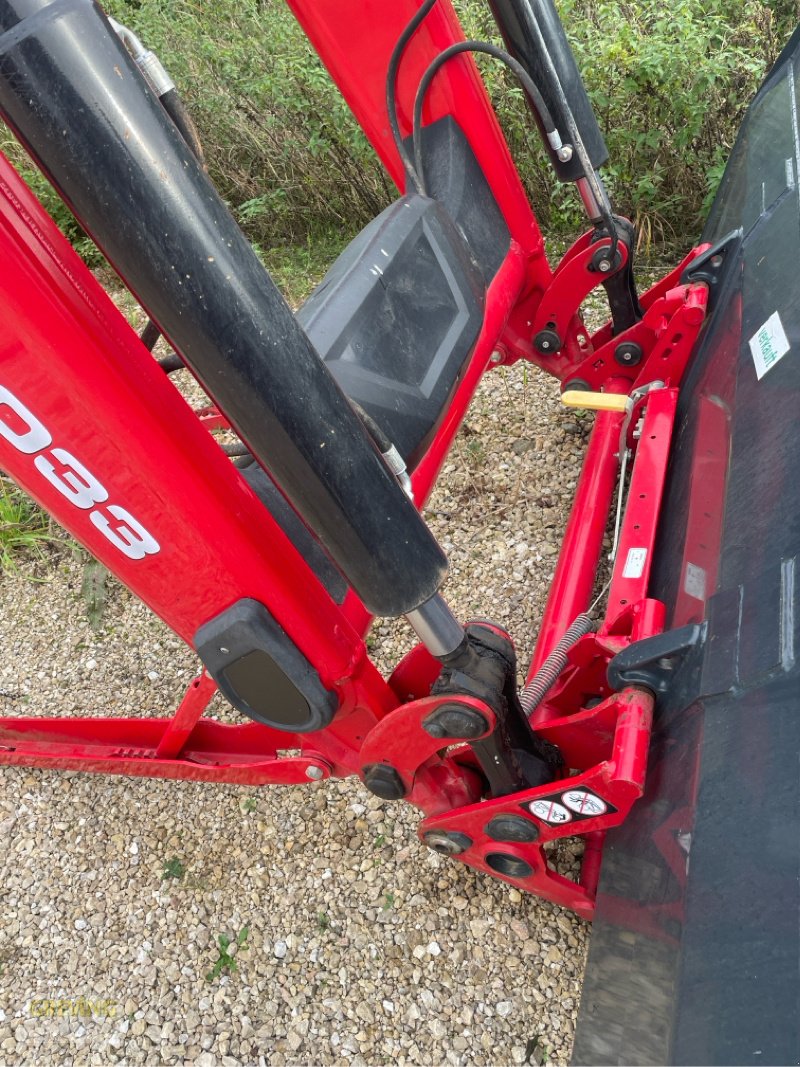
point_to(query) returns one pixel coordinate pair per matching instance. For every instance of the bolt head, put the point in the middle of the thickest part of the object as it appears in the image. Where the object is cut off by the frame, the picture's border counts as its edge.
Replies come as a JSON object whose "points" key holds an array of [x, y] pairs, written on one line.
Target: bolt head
{"points": [[628, 353], [315, 773], [496, 356], [565, 153], [383, 781], [547, 340], [447, 842], [455, 721], [604, 266]]}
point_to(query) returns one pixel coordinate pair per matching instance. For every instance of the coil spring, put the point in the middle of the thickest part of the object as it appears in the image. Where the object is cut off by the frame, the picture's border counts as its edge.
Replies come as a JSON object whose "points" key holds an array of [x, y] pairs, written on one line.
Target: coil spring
{"points": [[547, 675]]}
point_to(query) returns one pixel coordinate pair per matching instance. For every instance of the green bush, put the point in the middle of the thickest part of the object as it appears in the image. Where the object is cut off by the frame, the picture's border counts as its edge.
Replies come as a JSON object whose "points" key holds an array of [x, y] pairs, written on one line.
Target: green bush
{"points": [[669, 82], [282, 146]]}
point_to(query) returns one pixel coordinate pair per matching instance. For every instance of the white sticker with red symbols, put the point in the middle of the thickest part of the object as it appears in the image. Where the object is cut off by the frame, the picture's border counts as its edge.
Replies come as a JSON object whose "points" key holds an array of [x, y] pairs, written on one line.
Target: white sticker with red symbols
{"points": [[550, 811], [572, 804], [584, 803]]}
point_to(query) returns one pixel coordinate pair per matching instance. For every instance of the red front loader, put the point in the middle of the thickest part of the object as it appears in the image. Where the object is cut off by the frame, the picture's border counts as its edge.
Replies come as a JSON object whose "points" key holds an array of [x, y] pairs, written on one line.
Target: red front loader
{"points": [[273, 567]]}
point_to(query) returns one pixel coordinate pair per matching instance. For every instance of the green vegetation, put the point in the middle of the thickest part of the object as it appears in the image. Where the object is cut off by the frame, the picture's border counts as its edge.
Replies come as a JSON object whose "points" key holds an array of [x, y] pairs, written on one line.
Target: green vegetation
{"points": [[173, 868], [93, 592], [24, 528], [670, 85], [225, 958]]}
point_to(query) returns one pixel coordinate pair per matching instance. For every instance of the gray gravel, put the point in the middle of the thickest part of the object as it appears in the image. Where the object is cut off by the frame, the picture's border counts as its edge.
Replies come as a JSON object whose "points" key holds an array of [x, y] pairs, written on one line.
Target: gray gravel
{"points": [[361, 947]]}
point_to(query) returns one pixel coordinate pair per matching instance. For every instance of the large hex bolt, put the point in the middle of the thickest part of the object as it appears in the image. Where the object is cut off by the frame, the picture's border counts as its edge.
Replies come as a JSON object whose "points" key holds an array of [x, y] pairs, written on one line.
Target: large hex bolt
{"points": [[547, 342], [628, 353], [512, 828], [601, 261], [384, 781], [456, 721], [447, 842]]}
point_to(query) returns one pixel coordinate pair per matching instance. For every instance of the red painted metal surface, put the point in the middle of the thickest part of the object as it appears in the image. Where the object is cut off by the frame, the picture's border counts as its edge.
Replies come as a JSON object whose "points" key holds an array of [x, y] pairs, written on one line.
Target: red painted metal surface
{"points": [[355, 38], [190, 711], [667, 334], [501, 297], [573, 581], [70, 357], [217, 752], [100, 412], [610, 787]]}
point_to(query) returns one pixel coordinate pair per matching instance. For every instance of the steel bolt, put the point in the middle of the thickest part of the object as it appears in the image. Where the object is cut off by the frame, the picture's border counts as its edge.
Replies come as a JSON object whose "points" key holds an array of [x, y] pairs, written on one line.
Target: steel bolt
{"points": [[455, 721], [383, 781], [628, 353], [604, 266], [496, 356], [314, 773], [565, 153], [447, 843]]}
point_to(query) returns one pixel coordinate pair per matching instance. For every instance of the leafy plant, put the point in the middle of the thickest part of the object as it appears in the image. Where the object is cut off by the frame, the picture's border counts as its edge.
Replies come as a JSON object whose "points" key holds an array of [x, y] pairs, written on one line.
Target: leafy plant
{"points": [[173, 868], [669, 85], [93, 591], [24, 527], [225, 960]]}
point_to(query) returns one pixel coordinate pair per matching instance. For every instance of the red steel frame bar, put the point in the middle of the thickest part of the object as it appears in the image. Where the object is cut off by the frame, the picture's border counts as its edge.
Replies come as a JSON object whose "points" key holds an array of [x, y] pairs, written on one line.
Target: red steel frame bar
{"points": [[573, 581]]}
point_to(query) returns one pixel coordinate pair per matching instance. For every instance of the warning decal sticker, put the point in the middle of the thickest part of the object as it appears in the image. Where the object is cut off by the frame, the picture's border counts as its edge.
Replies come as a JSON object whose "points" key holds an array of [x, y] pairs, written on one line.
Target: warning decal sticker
{"points": [[571, 805], [550, 811], [768, 345], [584, 803], [634, 563]]}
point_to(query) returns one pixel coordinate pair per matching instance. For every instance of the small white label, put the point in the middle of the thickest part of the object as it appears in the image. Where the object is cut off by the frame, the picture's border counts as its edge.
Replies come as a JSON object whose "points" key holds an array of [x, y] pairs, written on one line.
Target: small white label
{"points": [[584, 803], [634, 563], [694, 583], [768, 345], [550, 811]]}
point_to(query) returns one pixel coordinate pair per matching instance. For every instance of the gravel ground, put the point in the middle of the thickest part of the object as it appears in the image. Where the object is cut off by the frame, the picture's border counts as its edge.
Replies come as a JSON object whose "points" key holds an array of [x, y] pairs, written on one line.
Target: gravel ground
{"points": [[359, 946]]}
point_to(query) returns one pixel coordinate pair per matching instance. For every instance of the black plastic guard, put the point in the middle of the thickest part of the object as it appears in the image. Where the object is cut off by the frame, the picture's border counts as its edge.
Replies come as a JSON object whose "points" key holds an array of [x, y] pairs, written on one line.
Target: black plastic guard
{"points": [[695, 953], [398, 314], [396, 319], [260, 670]]}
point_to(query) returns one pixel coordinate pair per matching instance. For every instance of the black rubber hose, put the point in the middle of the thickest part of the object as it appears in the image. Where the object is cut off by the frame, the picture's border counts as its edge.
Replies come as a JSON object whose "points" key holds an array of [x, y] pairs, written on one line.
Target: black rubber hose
{"points": [[178, 112], [374, 430], [457, 49], [391, 90], [169, 364], [149, 335]]}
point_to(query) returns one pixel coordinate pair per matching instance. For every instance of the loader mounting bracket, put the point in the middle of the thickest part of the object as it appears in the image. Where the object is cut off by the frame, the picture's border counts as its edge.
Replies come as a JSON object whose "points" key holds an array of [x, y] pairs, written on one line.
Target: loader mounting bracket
{"points": [[654, 662]]}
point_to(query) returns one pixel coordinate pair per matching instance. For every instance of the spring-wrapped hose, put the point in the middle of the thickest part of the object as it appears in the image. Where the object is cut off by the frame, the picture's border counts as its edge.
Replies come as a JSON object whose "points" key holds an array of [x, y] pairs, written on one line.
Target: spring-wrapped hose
{"points": [[538, 687]]}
